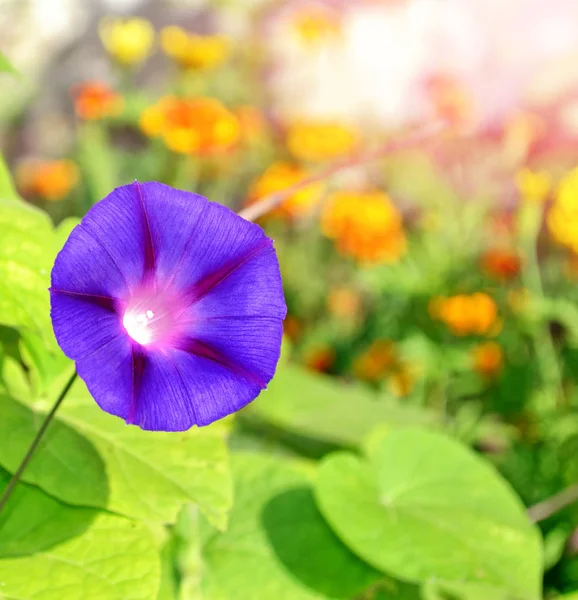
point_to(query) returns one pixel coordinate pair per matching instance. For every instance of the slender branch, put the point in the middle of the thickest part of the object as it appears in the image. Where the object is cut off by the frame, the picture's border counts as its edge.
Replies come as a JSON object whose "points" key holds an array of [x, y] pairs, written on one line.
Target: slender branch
{"points": [[35, 442], [544, 510], [417, 135]]}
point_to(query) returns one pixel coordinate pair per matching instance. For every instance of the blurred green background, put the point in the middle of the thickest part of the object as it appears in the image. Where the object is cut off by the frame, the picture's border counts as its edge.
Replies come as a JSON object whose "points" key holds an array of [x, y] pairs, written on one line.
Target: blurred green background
{"points": [[420, 437]]}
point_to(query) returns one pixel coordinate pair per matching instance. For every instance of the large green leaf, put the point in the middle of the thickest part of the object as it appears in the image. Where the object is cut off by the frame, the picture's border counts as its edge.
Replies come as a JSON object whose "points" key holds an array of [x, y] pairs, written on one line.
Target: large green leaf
{"points": [[27, 252], [91, 458], [426, 507], [65, 465], [277, 544], [114, 559], [32, 521], [317, 406]]}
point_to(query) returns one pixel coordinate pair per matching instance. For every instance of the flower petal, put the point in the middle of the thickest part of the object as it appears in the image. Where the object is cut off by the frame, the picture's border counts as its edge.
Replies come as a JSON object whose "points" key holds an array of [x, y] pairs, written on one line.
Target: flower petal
{"points": [[108, 374], [85, 267], [194, 238], [248, 345], [83, 324], [254, 288], [119, 224], [180, 390]]}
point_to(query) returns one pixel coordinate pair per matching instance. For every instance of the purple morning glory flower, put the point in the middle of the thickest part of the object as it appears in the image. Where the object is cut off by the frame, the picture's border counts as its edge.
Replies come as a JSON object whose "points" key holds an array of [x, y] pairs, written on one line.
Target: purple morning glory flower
{"points": [[171, 306]]}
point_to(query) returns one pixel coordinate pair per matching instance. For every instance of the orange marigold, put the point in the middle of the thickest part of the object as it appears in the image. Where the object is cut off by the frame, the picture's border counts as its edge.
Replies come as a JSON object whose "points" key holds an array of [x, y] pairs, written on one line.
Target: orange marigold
{"points": [[316, 142], [344, 302], [488, 359], [193, 51], [191, 125], [280, 176], [95, 100], [376, 362], [364, 225], [466, 314], [501, 264], [320, 358], [47, 179]]}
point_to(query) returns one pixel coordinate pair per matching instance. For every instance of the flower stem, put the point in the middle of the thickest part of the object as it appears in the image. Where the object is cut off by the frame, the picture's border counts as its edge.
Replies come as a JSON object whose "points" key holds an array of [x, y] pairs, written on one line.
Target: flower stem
{"points": [[547, 508], [530, 222], [409, 139], [35, 442]]}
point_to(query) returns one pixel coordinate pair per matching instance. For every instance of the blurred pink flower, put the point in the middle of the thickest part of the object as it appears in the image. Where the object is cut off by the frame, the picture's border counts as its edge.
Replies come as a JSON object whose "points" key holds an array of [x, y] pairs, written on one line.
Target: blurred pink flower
{"points": [[504, 54]]}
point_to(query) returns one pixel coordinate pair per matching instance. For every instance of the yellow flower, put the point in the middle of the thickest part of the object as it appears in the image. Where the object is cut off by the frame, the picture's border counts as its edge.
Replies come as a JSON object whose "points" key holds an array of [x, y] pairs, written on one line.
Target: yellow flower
{"points": [[47, 179], [466, 314], [280, 176], [401, 381], [128, 41], [533, 186], [316, 24], [563, 216], [192, 51], [364, 225], [317, 142], [488, 359], [191, 125]]}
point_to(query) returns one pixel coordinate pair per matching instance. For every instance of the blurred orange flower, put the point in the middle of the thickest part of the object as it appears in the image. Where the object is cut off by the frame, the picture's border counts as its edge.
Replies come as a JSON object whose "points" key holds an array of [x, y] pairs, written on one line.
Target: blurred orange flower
{"points": [[128, 41], [364, 225], [563, 216], [376, 362], [319, 358], [280, 176], [191, 125], [316, 142], [344, 302], [47, 179], [488, 359], [466, 314], [193, 51], [533, 186], [450, 99], [292, 327], [501, 264], [95, 100]]}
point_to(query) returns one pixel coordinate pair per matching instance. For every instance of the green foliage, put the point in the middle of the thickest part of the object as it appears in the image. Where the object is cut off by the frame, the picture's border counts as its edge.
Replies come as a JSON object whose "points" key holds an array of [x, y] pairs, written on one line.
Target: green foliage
{"points": [[33, 521], [318, 407], [425, 507], [5, 64], [90, 458], [277, 544], [114, 559], [27, 252]]}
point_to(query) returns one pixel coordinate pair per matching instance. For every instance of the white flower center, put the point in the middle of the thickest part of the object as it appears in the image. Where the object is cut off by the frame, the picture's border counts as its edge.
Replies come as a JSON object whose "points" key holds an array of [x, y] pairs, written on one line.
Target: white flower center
{"points": [[138, 325]]}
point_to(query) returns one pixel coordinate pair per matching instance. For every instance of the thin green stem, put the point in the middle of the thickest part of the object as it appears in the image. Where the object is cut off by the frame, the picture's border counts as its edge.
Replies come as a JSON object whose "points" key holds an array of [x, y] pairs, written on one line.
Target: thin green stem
{"points": [[545, 349], [34, 445]]}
